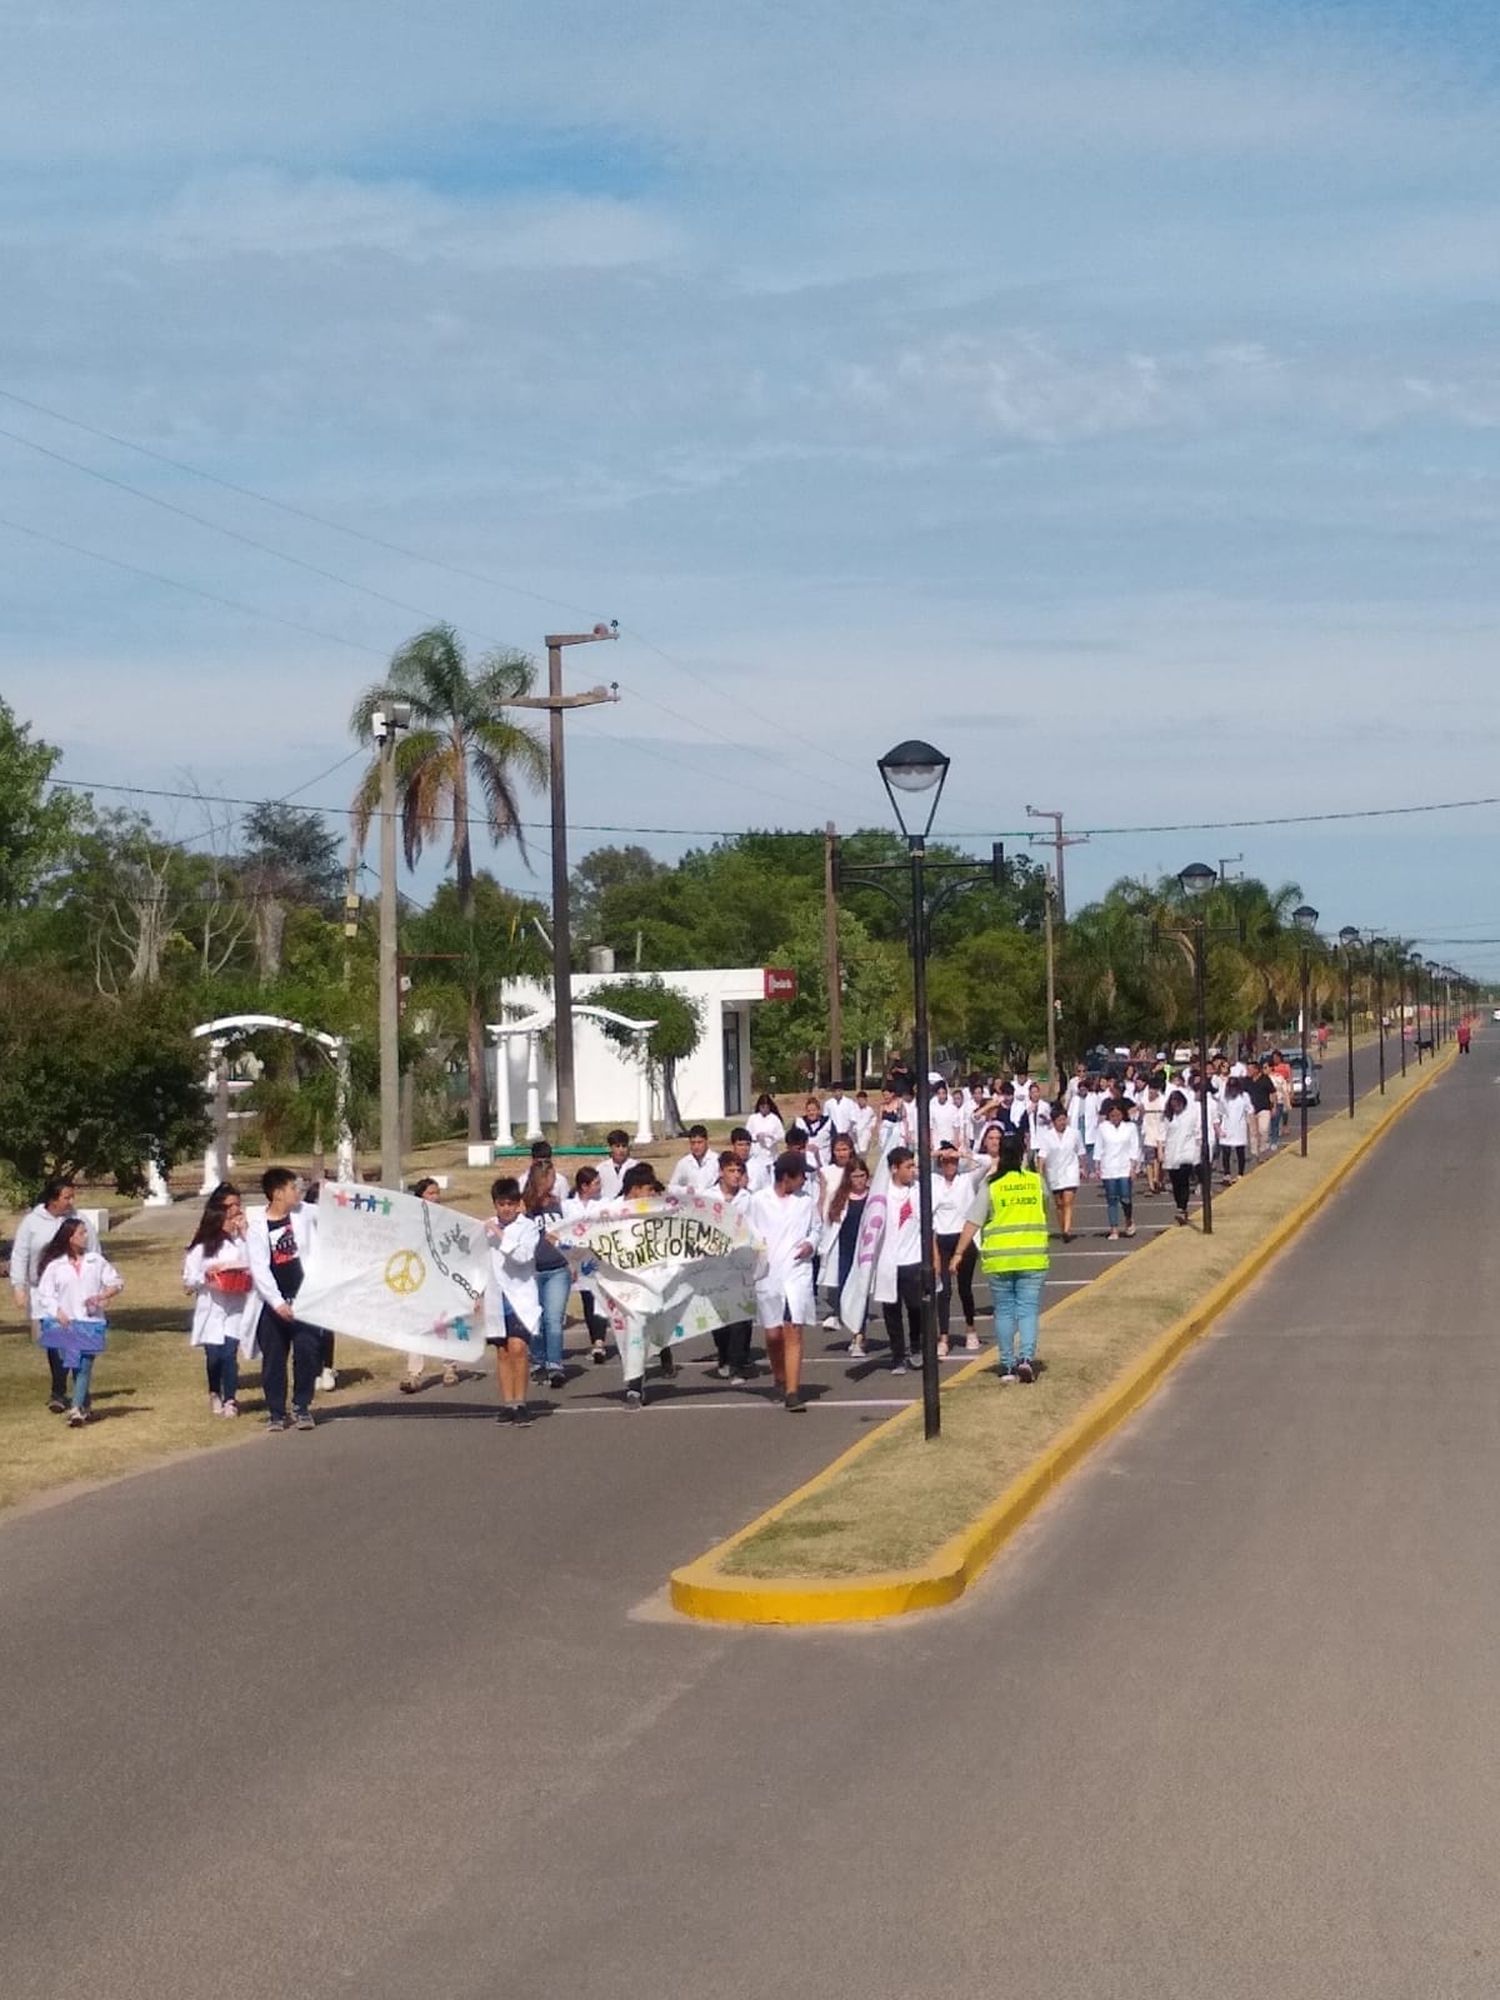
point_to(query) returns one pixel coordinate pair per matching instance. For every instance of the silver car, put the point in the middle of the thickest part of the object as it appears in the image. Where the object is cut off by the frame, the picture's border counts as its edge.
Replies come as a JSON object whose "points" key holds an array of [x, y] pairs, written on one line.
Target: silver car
{"points": [[1308, 1085]]}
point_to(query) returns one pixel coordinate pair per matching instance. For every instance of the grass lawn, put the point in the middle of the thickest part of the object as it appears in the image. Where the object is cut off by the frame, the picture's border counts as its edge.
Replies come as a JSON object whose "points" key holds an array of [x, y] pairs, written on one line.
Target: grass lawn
{"points": [[895, 1502]]}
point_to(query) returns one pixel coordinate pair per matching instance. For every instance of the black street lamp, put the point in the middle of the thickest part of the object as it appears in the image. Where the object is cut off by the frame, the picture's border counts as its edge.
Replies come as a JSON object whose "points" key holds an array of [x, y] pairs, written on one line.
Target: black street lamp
{"points": [[1348, 940], [1196, 880], [1432, 1005], [913, 775], [1401, 1004], [1306, 920], [1378, 950]]}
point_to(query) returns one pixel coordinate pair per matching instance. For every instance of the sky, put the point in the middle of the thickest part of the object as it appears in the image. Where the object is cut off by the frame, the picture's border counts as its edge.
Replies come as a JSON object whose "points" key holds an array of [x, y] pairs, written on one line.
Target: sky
{"points": [[1106, 392]]}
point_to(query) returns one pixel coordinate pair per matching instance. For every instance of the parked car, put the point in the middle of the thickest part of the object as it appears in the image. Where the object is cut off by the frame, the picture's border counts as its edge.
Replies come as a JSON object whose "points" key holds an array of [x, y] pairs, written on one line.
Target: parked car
{"points": [[1309, 1085]]}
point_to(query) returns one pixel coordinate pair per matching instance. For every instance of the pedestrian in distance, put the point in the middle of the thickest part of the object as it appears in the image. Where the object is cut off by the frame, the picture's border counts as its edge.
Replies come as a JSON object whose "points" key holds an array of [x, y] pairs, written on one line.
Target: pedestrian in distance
{"points": [[427, 1189], [280, 1238], [554, 1280], [1182, 1149], [578, 1207], [74, 1285], [732, 1342], [54, 1206], [1465, 1036], [952, 1194], [697, 1172], [1118, 1152], [1061, 1162], [842, 1224], [1009, 1221], [512, 1309], [1151, 1104], [216, 1274], [766, 1127], [1233, 1126], [784, 1221], [614, 1168]]}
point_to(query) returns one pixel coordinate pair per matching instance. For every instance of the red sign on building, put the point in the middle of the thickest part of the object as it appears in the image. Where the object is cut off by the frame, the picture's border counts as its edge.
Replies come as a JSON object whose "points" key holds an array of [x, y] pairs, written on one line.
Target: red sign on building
{"points": [[780, 982]]}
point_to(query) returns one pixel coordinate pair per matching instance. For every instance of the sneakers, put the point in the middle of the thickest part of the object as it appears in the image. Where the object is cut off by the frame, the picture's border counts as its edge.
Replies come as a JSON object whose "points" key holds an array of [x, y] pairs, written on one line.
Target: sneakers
{"points": [[520, 1413], [597, 1354], [942, 1347], [328, 1381], [831, 1322], [898, 1367], [857, 1348], [57, 1405], [1114, 1236], [410, 1384], [1008, 1372], [722, 1372], [668, 1362], [450, 1377], [76, 1420], [556, 1378], [1025, 1370], [971, 1342], [303, 1420], [794, 1402], [216, 1406], [231, 1408], [634, 1399], [277, 1424], [1130, 1229]]}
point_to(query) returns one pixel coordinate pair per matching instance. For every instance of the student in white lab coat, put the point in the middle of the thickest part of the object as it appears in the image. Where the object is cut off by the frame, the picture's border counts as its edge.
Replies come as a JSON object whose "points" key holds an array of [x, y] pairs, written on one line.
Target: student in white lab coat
{"points": [[34, 1232], [757, 1166], [1060, 1158], [1118, 1154], [766, 1127], [577, 1208], [732, 1342], [952, 1198], [784, 1219], [425, 1189], [612, 1171], [898, 1262], [697, 1172], [216, 1272], [74, 1284], [512, 1303], [866, 1117]]}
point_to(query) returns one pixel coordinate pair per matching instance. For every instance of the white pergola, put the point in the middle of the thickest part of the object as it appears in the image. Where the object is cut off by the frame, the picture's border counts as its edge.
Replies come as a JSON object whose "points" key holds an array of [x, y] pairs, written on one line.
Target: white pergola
{"points": [[533, 1027], [230, 1027]]}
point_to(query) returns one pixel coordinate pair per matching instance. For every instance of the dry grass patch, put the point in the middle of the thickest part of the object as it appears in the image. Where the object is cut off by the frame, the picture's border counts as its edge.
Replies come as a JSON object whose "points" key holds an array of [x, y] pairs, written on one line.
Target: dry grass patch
{"points": [[899, 1499]]}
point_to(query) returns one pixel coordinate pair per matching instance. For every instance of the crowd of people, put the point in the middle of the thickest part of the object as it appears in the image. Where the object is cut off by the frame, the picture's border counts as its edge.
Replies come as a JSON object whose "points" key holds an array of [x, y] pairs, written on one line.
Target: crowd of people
{"points": [[1003, 1152]]}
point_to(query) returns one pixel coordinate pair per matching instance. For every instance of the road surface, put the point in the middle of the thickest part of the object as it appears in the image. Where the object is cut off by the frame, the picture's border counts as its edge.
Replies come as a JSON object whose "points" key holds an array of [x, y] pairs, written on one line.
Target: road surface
{"points": [[393, 1709]]}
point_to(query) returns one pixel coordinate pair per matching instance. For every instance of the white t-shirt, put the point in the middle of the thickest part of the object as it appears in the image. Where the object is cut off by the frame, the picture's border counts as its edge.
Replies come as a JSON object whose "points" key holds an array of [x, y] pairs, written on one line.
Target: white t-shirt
{"points": [[696, 1176]]}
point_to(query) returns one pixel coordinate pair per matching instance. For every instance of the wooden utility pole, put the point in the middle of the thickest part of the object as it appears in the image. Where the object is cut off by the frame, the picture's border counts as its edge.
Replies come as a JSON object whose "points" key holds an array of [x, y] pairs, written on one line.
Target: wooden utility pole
{"points": [[388, 723], [556, 702], [1058, 841], [1054, 1079], [832, 972]]}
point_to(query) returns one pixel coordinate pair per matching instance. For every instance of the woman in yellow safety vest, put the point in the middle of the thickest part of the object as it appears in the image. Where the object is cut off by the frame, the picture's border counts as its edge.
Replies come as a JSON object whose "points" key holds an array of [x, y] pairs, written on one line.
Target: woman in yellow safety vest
{"points": [[1009, 1217]]}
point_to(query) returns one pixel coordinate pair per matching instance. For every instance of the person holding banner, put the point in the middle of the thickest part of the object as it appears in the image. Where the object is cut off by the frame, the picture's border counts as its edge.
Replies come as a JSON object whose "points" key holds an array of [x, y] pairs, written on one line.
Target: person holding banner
{"points": [[554, 1281], [697, 1172], [784, 1218], [575, 1208], [613, 1170], [732, 1342], [280, 1237], [757, 1166], [512, 1308], [426, 1189]]}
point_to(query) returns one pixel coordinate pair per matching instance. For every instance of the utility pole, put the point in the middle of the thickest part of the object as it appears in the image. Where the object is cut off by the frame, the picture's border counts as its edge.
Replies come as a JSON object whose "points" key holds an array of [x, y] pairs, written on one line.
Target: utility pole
{"points": [[1058, 841], [351, 904], [388, 723], [1048, 894], [831, 970], [1226, 862], [556, 702]]}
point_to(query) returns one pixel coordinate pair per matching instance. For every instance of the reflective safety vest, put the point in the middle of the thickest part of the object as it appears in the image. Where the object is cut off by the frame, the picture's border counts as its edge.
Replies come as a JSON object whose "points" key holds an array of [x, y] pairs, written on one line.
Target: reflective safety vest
{"points": [[1015, 1236]]}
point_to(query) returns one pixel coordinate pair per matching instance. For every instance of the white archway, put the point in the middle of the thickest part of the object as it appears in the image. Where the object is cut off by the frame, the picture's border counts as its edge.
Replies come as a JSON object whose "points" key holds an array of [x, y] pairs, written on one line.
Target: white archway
{"points": [[533, 1027], [229, 1027]]}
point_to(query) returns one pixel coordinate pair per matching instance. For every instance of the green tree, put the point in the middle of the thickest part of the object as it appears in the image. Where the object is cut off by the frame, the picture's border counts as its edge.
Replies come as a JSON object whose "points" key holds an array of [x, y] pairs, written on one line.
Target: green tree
{"points": [[462, 748], [95, 1087], [35, 825], [290, 857], [678, 1030]]}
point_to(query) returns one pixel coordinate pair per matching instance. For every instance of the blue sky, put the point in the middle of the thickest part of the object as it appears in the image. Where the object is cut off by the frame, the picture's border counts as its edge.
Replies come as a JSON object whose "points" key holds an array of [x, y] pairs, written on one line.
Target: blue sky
{"points": [[1110, 392]]}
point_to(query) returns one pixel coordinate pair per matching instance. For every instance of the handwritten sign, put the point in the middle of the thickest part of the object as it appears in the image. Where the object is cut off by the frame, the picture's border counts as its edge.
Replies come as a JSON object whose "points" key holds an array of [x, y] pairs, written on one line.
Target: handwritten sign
{"points": [[401, 1272]]}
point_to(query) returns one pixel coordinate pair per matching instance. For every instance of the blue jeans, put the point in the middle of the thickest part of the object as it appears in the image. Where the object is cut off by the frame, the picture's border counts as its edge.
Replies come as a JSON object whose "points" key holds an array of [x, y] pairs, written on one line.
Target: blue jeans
{"points": [[222, 1361], [1016, 1300], [1117, 1196], [552, 1288], [81, 1376]]}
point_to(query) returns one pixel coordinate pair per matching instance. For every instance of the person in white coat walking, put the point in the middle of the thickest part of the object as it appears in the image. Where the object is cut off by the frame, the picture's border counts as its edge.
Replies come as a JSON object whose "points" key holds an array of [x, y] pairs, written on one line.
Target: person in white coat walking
{"points": [[1117, 1152], [1060, 1159], [216, 1272], [37, 1229], [74, 1284], [784, 1221]]}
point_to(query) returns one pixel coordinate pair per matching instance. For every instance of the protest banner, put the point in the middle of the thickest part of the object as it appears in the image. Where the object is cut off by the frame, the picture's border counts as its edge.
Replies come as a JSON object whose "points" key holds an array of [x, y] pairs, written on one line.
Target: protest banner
{"points": [[391, 1268], [667, 1267]]}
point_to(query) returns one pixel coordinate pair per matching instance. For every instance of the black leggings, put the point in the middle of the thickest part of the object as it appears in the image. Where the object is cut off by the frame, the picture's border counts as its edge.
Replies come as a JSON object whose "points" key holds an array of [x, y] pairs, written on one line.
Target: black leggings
{"points": [[947, 1274], [733, 1343], [1182, 1185], [909, 1299], [1224, 1153]]}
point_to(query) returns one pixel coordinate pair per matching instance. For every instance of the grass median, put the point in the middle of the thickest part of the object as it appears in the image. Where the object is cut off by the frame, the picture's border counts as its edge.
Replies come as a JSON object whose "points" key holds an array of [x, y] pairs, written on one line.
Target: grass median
{"points": [[892, 1503]]}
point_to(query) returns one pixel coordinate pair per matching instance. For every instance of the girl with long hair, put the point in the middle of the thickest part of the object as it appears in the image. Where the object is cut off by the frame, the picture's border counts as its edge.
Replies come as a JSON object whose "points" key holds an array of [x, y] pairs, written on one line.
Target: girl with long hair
{"points": [[425, 1189], [74, 1284], [845, 1218], [554, 1281], [216, 1274]]}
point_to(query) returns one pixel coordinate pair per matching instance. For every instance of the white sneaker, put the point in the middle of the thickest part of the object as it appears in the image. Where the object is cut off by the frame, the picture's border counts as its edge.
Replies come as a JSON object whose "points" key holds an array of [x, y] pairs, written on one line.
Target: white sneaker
{"points": [[831, 1321], [328, 1380], [216, 1406], [857, 1348]]}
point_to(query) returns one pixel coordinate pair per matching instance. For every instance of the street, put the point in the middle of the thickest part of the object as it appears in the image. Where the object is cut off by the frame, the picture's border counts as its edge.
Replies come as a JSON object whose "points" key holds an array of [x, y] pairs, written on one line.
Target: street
{"points": [[395, 1708]]}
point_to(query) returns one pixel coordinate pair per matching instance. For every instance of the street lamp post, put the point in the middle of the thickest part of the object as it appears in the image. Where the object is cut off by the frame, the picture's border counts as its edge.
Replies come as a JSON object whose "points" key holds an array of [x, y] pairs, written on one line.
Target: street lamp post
{"points": [[1196, 880], [1306, 920], [1432, 1007], [1348, 939], [387, 724], [1401, 1004], [915, 772], [1378, 949]]}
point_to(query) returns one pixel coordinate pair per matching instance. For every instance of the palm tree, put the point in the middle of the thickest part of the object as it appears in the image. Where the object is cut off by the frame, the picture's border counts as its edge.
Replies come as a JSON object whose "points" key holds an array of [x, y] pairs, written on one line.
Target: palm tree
{"points": [[460, 741]]}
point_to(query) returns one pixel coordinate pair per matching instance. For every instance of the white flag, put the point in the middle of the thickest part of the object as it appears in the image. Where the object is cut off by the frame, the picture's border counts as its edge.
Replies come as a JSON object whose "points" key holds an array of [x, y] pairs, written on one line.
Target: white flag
{"points": [[399, 1271]]}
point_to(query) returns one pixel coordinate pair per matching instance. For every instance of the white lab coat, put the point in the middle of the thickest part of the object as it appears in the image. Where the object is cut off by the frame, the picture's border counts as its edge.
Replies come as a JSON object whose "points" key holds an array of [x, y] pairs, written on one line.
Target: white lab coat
{"points": [[513, 1277], [696, 1176], [219, 1315], [304, 1221], [64, 1289], [35, 1231], [1061, 1157], [782, 1224]]}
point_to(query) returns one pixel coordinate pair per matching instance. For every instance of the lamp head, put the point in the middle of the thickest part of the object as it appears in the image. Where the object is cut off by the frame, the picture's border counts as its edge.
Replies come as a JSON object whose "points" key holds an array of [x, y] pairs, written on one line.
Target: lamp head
{"points": [[913, 770], [1349, 937], [1198, 878], [1305, 917]]}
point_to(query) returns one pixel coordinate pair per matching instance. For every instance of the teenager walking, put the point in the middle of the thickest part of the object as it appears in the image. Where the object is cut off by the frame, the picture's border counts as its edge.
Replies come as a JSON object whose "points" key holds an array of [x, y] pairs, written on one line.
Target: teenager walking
{"points": [[1118, 1153], [512, 1309], [952, 1196], [425, 1189], [74, 1284], [898, 1263], [280, 1238], [732, 1342], [216, 1271], [784, 1220], [1061, 1163], [1182, 1149], [54, 1206]]}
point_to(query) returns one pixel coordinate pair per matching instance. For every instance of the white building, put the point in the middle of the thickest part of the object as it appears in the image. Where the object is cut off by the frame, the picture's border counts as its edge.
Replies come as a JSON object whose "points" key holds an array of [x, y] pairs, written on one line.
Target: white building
{"points": [[713, 1082]]}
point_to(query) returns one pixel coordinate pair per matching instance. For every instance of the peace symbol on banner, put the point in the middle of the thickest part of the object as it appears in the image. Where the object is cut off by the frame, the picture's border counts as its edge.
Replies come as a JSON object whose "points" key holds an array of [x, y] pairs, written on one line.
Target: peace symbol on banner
{"points": [[405, 1272]]}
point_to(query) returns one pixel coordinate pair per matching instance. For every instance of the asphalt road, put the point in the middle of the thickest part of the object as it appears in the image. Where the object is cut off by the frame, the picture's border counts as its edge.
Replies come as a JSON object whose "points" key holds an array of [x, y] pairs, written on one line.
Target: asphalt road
{"points": [[391, 1710]]}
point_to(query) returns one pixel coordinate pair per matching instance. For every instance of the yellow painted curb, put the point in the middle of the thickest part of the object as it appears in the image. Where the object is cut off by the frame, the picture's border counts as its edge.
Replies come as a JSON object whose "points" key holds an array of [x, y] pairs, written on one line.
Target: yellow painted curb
{"points": [[702, 1590]]}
